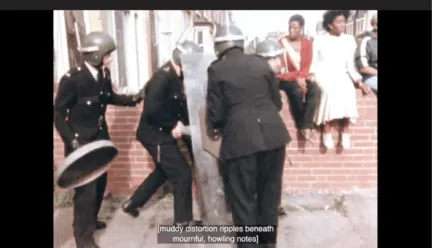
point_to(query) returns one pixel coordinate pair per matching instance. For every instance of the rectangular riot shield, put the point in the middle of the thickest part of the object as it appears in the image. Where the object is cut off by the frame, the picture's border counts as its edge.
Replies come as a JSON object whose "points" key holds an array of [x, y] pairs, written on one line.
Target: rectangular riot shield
{"points": [[210, 187]]}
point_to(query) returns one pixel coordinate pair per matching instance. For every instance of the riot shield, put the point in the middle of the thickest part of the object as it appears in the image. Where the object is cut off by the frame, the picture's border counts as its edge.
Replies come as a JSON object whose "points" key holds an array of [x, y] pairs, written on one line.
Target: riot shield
{"points": [[210, 187]]}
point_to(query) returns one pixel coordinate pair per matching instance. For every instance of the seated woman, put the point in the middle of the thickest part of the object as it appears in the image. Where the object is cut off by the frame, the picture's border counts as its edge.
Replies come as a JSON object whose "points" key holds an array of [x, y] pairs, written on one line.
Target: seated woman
{"points": [[334, 70], [303, 94]]}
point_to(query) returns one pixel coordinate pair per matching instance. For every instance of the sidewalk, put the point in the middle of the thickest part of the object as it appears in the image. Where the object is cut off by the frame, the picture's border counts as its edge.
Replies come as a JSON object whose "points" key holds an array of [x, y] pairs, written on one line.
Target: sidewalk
{"points": [[318, 221]]}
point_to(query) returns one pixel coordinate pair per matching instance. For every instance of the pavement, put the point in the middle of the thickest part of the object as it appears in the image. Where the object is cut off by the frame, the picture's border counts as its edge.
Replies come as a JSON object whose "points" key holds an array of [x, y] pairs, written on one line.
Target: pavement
{"points": [[313, 221]]}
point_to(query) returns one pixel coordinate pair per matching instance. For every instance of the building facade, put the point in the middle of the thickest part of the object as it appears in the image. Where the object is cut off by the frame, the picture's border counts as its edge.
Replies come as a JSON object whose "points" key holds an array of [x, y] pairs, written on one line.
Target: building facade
{"points": [[362, 22], [144, 38]]}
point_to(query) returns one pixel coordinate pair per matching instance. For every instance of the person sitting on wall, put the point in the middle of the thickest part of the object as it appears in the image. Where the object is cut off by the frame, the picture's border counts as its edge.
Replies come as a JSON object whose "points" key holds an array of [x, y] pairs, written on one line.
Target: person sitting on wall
{"points": [[367, 57], [302, 93], [334, 69]]}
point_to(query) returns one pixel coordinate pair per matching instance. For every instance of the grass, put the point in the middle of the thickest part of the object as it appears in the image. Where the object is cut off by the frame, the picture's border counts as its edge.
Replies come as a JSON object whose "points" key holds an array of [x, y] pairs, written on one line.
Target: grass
{"points": [[339, 206], [63, 199]]}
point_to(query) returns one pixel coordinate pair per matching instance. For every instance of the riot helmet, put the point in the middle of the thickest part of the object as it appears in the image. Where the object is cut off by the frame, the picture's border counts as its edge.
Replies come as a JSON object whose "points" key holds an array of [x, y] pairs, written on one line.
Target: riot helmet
{"points": [[227, 37], [269, 49], [95, 45], [184, 47]]}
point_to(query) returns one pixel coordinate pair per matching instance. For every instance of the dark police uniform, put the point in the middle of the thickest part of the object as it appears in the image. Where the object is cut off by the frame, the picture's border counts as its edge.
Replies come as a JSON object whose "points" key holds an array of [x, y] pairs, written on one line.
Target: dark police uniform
{"points": [[164, 106], [243, 101], [270, 49], [80, 108]]}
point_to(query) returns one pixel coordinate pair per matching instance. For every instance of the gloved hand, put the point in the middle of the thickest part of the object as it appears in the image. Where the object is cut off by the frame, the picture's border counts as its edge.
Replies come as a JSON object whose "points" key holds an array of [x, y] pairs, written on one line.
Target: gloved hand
{"points": [[185, 130], [75, 144], [138, 97]]}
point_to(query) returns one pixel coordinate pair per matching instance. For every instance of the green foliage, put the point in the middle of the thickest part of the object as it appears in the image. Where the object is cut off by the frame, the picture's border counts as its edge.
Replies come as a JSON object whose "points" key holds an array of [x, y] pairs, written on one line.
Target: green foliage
{"points": [[63, 199]]}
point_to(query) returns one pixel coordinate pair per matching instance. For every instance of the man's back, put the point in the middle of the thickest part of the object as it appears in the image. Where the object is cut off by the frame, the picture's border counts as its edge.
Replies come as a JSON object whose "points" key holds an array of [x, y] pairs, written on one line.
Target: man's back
{"points": [[244, 101]]}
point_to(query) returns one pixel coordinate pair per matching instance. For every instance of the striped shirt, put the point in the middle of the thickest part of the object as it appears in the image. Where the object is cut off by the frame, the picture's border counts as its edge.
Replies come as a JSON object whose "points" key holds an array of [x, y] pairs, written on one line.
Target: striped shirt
{"points": [[367, 54]]}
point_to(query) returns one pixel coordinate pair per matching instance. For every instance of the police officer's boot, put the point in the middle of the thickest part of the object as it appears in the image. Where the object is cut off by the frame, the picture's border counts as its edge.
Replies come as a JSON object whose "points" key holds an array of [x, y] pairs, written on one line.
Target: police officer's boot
{"points": [[129, 209]]}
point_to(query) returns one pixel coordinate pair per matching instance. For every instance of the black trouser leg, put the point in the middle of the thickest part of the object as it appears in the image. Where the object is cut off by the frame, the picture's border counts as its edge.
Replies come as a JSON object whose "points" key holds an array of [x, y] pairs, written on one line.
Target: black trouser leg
{"points": [[224, 172], [148, 187], [84, 221], [179, 174], [295, 97], [101, 183], [188, 142], [242, 176], [84, 208], [312, 100], [269, 185]]}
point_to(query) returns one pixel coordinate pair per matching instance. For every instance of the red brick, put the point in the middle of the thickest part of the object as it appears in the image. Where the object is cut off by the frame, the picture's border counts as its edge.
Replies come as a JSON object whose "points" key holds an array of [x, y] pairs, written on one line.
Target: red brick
{"points": [[312, 169]]}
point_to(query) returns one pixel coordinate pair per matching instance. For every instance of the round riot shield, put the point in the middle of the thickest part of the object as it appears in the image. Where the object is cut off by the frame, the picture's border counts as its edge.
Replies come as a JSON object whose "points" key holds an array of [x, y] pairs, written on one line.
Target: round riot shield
{"points": [[85, 164]]}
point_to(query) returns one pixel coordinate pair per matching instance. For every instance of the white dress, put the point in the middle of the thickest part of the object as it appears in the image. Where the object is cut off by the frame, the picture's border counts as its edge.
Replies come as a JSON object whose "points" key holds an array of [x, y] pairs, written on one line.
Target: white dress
{"points": [[335, 71]]}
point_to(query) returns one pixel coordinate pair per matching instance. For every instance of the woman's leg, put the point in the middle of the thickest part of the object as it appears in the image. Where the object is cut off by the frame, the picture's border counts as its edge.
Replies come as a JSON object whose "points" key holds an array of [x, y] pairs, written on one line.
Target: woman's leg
{"points": [[346, 141], [327, 136]]}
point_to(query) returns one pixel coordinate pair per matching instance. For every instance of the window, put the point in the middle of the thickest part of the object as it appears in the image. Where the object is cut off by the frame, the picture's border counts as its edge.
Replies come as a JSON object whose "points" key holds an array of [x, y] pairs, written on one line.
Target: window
{"points": [[164, 38], [200, 38], [61, 56], [187, 18], [129, 69], [66, 39], [74, 19], [348, 28]]}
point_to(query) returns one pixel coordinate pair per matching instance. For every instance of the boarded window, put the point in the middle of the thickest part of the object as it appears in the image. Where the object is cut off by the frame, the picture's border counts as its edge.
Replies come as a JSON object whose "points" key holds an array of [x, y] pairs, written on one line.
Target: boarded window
{"points": [[73, 19], [121, 55]]}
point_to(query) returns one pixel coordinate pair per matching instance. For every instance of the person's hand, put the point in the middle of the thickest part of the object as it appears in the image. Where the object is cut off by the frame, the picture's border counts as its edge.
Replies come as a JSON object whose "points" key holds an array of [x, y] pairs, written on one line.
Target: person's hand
{"points": [[365, 90], [176, 132], [302, 83], [138, 97]]}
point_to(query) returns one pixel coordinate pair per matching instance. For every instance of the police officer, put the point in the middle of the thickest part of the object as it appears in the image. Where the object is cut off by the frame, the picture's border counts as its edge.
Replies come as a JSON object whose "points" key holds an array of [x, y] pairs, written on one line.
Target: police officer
{"points": [[165, 113], [243, 104], [271, 51], [80, 105]]}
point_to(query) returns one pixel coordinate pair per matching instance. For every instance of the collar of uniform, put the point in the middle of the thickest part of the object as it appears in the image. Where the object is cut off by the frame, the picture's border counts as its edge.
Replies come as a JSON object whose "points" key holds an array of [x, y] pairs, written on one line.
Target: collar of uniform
{"points": [[92, 70], [232, 52]]}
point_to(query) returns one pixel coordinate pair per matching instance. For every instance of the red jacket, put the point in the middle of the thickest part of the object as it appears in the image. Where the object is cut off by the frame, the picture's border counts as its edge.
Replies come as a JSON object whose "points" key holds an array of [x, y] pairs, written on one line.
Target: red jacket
{"points": [[305, 63]]}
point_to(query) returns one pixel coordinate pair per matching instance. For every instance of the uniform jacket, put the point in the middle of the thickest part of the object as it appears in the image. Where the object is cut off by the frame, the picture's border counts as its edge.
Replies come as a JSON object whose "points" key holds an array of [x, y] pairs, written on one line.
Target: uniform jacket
{"points": [[164, 106], [243, 101], [81, 103]]}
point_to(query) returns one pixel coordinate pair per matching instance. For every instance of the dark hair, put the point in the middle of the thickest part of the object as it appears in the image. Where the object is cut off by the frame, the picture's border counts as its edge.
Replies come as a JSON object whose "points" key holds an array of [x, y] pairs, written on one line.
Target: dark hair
{"points": [[297, 18], [330, 15]]}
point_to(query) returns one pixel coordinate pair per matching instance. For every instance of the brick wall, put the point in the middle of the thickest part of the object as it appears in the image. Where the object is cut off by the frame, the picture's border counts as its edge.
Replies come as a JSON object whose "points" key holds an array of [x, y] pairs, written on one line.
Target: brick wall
{"points": [[312, 169]]}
